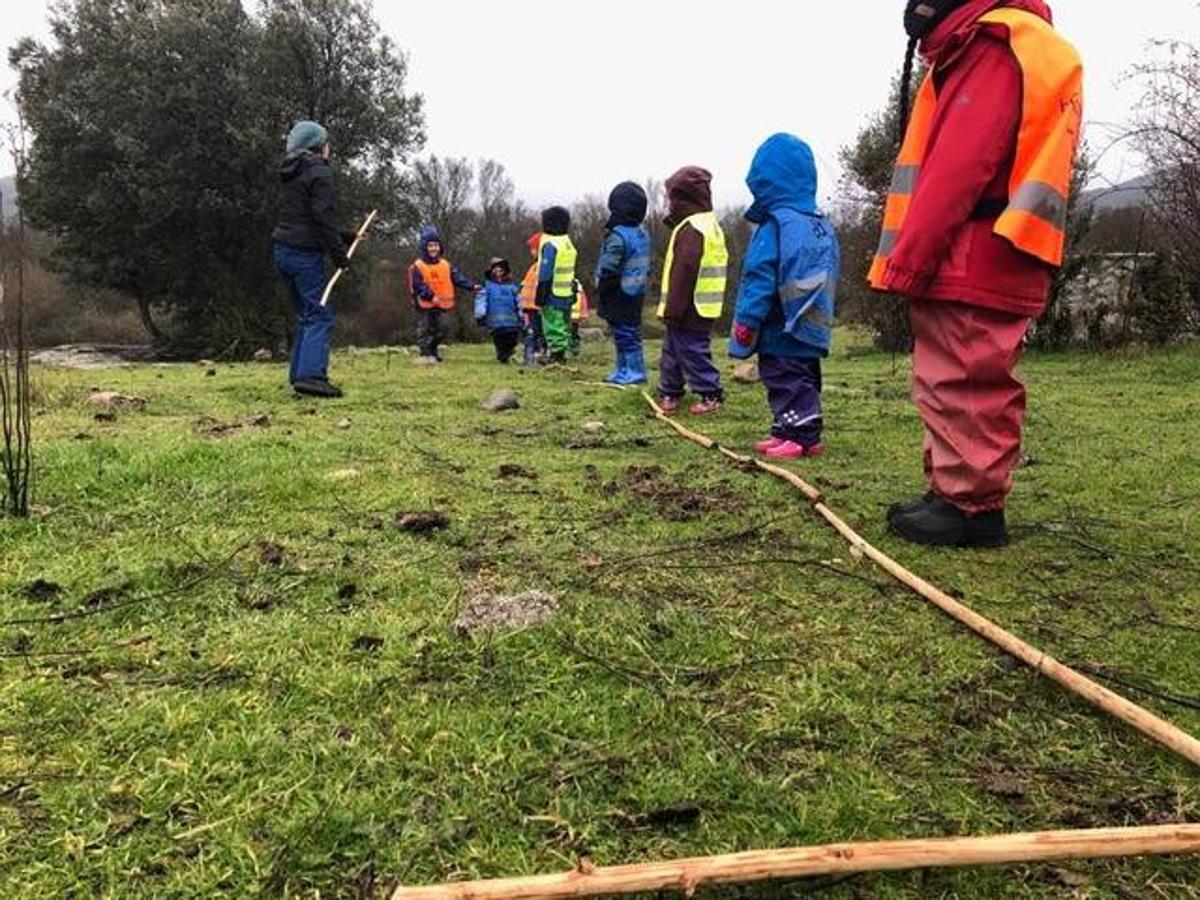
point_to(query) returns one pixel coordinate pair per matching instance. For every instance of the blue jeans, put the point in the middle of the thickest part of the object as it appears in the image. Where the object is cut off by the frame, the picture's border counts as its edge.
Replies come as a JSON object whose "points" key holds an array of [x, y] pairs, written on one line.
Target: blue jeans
{"points": [[306, 275]]}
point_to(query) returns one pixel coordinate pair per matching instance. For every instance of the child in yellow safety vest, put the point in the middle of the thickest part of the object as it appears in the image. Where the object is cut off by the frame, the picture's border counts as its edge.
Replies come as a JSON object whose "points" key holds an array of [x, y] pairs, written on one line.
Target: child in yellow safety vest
{"points": [[432, 283], [556, 281], [693, 294]]}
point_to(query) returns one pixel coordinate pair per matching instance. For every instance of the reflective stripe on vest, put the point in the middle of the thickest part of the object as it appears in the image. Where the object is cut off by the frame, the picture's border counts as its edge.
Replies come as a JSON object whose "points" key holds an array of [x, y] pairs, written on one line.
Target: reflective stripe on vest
{"points": [[710, 282], [563, 286], [440, 281], [1035, 218]]}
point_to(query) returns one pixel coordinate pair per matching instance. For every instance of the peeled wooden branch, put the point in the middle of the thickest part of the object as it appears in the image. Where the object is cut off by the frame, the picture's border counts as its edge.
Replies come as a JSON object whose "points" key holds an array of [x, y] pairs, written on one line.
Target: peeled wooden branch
{"points": [[1099, 696], [686, 875], [362, 233]]}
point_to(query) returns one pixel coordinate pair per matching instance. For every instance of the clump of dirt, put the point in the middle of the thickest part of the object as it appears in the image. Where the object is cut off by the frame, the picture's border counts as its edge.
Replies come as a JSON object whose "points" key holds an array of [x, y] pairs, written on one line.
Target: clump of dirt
{"points": [[214, 429], [504, 612], [674, 501], [41, 591], [425, 522], [512, 470], [369, 643], [270, 554]]}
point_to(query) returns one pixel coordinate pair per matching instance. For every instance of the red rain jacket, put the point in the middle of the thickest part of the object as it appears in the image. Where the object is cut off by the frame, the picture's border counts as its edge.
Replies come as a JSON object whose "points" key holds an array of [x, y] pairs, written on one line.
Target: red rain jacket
{"points": [[947, 250]]}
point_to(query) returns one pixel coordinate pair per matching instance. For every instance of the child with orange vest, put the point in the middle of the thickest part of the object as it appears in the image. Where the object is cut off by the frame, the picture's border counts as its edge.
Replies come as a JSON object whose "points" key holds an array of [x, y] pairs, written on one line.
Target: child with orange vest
{"points": [[432, 282], [973, 232], [535, 339]]}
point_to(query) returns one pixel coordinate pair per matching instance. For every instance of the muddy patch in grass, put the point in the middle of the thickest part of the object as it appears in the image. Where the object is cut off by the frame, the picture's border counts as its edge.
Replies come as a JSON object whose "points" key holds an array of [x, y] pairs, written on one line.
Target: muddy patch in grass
{"points": [[674, 501], [424, 522], [503, 612]]}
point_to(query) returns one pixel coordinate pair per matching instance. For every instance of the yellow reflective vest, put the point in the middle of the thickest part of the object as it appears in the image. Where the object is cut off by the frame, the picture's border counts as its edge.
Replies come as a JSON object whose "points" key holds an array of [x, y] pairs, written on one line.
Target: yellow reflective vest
{"points": [[563, 286], [714, 265]]}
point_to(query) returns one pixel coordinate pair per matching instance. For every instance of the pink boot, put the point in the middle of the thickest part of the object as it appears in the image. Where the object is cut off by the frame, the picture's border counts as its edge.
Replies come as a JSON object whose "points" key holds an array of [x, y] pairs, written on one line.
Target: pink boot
{"points": [[769, 444], [706, 407], [786, 450], [669, 404]]}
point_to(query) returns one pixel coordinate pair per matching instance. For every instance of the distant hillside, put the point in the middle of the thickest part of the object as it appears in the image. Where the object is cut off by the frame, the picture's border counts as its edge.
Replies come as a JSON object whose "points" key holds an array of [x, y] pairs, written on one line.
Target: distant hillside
{"points": [[8, 196], [1130, 194]]}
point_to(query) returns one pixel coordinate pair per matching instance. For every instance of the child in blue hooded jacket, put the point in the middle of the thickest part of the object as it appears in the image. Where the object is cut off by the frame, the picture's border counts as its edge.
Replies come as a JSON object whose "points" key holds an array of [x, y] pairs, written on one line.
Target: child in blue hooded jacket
{"points": [[498, 306], [786, 303], [622, 274]]}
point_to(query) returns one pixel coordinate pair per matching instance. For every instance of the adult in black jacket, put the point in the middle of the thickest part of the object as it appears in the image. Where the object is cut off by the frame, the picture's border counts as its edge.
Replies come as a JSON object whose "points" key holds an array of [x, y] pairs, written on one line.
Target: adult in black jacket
{"points": [[307, 230]]}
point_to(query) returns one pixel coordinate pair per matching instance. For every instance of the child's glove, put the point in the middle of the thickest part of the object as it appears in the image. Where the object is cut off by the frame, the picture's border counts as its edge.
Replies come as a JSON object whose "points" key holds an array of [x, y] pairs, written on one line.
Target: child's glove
{"points": [[742, 341]]}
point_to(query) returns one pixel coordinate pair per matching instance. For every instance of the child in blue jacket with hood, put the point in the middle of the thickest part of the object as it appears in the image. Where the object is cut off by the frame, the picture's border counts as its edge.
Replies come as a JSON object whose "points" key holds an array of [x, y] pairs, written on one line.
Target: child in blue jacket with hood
{"points": [[786, 303], [622, 274], [498, 306]]}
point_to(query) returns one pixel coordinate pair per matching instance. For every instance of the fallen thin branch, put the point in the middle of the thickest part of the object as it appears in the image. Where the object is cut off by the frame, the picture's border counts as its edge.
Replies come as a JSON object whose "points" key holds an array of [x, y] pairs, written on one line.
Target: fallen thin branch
{"points": [[56, 618], [688, 875], [1101, 697]]}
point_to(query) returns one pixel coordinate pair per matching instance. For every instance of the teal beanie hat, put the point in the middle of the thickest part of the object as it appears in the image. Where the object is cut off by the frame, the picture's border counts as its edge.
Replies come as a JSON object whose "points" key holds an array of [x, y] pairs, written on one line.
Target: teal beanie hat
{"points": [[306, 136]]}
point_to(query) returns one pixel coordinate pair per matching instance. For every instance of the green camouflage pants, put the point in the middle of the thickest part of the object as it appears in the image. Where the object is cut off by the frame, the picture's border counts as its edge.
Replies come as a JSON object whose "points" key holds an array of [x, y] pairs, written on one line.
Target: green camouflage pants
{"points": [[557, 325]]}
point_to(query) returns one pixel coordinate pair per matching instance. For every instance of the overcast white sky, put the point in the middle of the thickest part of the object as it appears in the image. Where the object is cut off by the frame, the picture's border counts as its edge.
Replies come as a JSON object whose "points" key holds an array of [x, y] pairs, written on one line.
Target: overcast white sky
{"points": [[640, 87]]}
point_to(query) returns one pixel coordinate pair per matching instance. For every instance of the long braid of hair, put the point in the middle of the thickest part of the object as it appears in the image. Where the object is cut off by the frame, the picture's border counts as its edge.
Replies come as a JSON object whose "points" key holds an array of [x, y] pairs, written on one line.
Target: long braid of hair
{"points": [[910, 58]]}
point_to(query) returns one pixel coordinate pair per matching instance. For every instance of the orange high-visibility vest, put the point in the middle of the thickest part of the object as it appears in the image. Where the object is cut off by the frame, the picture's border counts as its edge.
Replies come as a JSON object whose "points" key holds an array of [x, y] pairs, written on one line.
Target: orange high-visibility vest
{"points": [[529, 286], [1035, 219], [438, 276], [583, 304]]}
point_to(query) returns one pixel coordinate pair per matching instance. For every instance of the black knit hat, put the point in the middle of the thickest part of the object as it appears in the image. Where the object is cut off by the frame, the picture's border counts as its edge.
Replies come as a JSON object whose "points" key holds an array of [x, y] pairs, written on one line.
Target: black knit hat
{"points": [[922, 16], [556, 220]]}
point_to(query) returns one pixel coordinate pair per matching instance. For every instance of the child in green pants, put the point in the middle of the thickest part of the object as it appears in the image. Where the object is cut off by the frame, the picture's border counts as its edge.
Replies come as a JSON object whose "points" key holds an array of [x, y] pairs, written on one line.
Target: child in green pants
{"points": [[556, 280]]}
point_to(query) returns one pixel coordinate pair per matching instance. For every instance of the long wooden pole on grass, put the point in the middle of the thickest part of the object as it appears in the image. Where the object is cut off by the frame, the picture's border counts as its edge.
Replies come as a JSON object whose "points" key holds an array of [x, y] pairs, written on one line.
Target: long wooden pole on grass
{"points": [[687, 875], [336, 277], [1099, 696]]}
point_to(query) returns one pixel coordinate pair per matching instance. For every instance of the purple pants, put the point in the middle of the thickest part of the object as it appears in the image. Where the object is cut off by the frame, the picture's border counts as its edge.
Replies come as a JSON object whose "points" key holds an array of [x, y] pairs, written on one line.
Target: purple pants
{"points": [[794, 392], [687, 362]]}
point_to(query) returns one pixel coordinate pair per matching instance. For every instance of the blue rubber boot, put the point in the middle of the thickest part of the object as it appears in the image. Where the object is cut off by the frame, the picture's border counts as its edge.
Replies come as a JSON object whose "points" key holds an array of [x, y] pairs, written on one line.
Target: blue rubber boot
{"points": [[635, 367], [619, 369]]}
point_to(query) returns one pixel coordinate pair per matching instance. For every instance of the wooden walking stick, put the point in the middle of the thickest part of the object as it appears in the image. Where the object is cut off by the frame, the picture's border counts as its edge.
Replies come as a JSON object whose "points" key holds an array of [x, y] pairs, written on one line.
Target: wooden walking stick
{"points": [[362, 233], [1099, 696], [687, 875]]}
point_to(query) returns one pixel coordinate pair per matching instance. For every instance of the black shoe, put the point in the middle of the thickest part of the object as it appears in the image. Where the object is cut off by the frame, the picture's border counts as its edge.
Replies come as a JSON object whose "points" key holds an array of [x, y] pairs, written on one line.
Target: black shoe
{"points": [[910, 506], [939, 523], [316, 387]]}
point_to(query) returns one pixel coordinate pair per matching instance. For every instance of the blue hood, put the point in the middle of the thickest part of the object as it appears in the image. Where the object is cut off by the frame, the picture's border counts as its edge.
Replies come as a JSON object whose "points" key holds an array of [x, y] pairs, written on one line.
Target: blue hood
{"points": [[429, 233], [782, 176]]}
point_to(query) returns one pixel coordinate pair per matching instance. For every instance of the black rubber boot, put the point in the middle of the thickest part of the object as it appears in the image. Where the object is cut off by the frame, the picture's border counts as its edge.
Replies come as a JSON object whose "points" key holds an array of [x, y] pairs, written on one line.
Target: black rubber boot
{"points": [[910, 506], [316, 387], [939, 523]]}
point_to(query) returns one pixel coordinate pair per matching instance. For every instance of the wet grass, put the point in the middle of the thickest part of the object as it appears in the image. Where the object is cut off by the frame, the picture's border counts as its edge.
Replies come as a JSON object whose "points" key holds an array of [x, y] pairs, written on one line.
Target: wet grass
{"points": [[239, 674]]}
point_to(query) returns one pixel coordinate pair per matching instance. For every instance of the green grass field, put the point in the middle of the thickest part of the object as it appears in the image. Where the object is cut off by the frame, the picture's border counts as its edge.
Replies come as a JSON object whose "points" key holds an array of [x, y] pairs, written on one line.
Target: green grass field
{"points": [[240, 676]]}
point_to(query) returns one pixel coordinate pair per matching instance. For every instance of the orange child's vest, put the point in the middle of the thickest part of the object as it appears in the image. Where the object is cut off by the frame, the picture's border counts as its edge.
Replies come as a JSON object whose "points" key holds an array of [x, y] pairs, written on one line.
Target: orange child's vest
{"points": [[1036, 216], [437, 276], [529, 286]]}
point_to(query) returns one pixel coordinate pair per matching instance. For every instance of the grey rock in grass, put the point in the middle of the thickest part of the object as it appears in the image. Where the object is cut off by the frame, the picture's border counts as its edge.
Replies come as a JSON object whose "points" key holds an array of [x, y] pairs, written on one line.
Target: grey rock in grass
{"points": [[593, 427], [746, 372], [501, 400], [263, 355], [505, 612]]}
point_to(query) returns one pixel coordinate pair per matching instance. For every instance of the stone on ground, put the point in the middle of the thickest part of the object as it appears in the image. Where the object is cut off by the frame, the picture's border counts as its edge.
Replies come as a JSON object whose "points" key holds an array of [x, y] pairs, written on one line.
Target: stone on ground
{"points": [[503, 612], [501, 400]]}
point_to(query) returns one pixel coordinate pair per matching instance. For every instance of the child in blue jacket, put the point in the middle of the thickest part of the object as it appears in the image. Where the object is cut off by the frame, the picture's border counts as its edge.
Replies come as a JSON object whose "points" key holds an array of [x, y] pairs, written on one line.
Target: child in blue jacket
{"points": [[498, 306], [786, 304], [622, 274]]}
